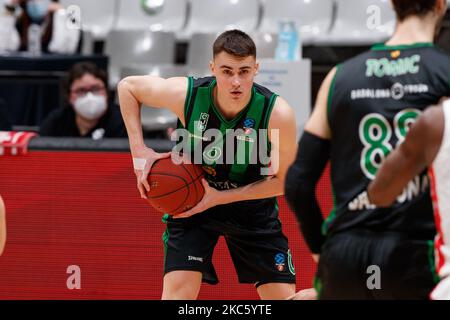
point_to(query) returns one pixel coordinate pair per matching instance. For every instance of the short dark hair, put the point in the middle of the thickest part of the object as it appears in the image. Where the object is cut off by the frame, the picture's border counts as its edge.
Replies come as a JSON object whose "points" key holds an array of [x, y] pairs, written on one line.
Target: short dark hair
{"points": [[79, 69], [236, 43], [406, 8]]}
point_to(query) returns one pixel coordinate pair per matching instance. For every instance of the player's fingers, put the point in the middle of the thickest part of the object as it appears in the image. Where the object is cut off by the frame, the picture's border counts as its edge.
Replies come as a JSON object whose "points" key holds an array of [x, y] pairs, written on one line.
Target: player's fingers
{"points": [[164, 155], [143, 179], [205, 185], [142, 191]]}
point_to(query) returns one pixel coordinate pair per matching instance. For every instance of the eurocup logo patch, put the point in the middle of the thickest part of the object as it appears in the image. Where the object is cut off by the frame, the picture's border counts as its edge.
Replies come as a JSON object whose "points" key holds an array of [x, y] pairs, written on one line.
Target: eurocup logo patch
{"points": [[280, 261], [249, 124], [203, 121]]}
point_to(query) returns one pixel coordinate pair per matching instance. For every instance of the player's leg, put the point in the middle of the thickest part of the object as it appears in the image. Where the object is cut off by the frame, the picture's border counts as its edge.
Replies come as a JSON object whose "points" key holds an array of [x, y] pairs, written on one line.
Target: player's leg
{"points": [[181, 285], [263, 258], [276, 291], [188, 254]]}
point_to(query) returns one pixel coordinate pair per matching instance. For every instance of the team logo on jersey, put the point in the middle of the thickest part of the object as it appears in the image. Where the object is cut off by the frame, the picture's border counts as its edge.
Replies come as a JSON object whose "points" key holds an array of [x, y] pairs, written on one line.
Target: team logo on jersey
{"points": [[384, 67], [280, 261], [395, 54], [212, 154], [209, 170], [397, 91], [249, 123], [202, 123]]}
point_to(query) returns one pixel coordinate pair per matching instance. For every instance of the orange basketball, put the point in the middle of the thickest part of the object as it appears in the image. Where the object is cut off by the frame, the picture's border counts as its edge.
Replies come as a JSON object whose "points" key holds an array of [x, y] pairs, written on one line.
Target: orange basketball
{"points": [[174, 188]]}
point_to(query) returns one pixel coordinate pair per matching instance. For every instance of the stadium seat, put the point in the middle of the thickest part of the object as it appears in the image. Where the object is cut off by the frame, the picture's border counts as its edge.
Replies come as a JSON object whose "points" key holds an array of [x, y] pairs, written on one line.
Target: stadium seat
{"points": [[199, 53], [313, 17], [128, 47], [219, 15], [361, 22], [266, 44], [97, 16], [172, 17]]}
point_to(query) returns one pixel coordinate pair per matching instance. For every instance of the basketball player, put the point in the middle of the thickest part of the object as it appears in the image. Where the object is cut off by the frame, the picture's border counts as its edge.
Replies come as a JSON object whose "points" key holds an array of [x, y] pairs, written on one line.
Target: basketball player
{"points": [[239, 202], [363, 111], [427, 144], [2, 226]]}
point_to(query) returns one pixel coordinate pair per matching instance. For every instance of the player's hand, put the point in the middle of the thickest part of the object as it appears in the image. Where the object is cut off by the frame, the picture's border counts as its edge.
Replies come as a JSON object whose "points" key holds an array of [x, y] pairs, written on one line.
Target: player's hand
{"points": [[210, 199], [316, 257], [306, 294], [143, 160]]}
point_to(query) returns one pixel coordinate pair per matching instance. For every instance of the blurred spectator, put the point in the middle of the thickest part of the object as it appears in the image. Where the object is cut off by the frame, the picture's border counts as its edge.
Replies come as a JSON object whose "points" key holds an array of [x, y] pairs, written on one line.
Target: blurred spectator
{"points": [[4, 122], [87, 112], [58, 34]]}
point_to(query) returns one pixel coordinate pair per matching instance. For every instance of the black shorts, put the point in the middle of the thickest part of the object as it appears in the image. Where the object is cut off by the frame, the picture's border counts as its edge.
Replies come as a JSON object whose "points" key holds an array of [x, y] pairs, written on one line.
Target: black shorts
{"points": [[252, 231], [364, 264]]}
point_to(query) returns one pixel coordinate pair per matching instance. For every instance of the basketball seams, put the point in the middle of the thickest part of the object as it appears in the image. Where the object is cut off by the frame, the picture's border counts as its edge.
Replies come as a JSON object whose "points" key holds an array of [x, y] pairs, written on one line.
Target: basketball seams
{"points": [[169, 175], [185, 184], [186, 175]]}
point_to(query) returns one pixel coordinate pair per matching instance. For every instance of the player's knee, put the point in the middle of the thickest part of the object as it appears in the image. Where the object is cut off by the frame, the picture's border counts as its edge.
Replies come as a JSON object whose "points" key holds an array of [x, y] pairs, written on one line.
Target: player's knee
{"points": [[181, 285]]}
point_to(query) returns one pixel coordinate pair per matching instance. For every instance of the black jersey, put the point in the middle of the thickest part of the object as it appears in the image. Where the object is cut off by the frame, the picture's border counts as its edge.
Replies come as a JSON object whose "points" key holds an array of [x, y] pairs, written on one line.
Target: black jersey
{"points": [[248, 160], [373, 99]]}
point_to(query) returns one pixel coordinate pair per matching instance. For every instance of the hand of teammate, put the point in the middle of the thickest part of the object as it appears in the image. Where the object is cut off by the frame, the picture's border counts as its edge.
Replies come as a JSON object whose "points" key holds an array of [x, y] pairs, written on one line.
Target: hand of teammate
{"points": [[305, 294], [143, 160], [211, 198]]}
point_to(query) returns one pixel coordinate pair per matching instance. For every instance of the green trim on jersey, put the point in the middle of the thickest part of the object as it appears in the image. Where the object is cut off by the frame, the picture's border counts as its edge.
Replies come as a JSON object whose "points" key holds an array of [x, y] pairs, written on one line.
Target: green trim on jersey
{"points": [[229, 123], [331, 216], [431, 260], [269, 111], [266, 121], [382, 46], [317, 285], [187, 101], [330, 94], [165, 236]]}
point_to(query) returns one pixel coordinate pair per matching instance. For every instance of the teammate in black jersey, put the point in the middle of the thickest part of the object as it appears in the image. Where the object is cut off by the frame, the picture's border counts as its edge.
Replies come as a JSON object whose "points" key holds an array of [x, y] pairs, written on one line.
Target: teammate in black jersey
{"points": [[363, 111], [239, 200]]}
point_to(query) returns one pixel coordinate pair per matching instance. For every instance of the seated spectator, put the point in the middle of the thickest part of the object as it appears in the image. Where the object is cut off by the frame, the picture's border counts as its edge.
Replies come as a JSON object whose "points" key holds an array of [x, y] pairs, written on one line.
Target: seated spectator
{"points": [[87, 112], [50, 15], [4, 122]]}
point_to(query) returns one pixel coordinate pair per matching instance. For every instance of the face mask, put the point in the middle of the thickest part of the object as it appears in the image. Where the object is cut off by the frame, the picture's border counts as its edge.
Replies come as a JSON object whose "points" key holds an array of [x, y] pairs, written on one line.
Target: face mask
{"points": [[90, 106], [37, 10]]}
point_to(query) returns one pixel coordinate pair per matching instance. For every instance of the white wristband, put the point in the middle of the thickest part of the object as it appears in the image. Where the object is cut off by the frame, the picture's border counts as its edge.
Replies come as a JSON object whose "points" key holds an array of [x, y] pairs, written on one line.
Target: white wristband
{"points": [[139, 163]]}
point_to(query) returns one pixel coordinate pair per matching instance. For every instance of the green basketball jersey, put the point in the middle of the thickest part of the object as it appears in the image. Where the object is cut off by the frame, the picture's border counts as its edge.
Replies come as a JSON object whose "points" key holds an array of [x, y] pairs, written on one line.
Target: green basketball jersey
{"points": [[373, 100], [232, 152]]}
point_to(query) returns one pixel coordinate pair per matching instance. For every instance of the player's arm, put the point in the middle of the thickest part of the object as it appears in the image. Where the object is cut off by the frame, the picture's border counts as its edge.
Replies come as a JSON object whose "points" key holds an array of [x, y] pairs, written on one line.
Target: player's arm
{"points": [[303, 175], [2, 226], [417, 152], [150, 91], [282, 122]]}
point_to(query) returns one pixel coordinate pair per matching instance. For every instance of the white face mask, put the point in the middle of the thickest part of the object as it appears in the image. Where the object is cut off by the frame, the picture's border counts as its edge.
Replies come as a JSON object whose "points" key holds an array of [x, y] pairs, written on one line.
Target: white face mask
{"points": [[91, 106]]}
